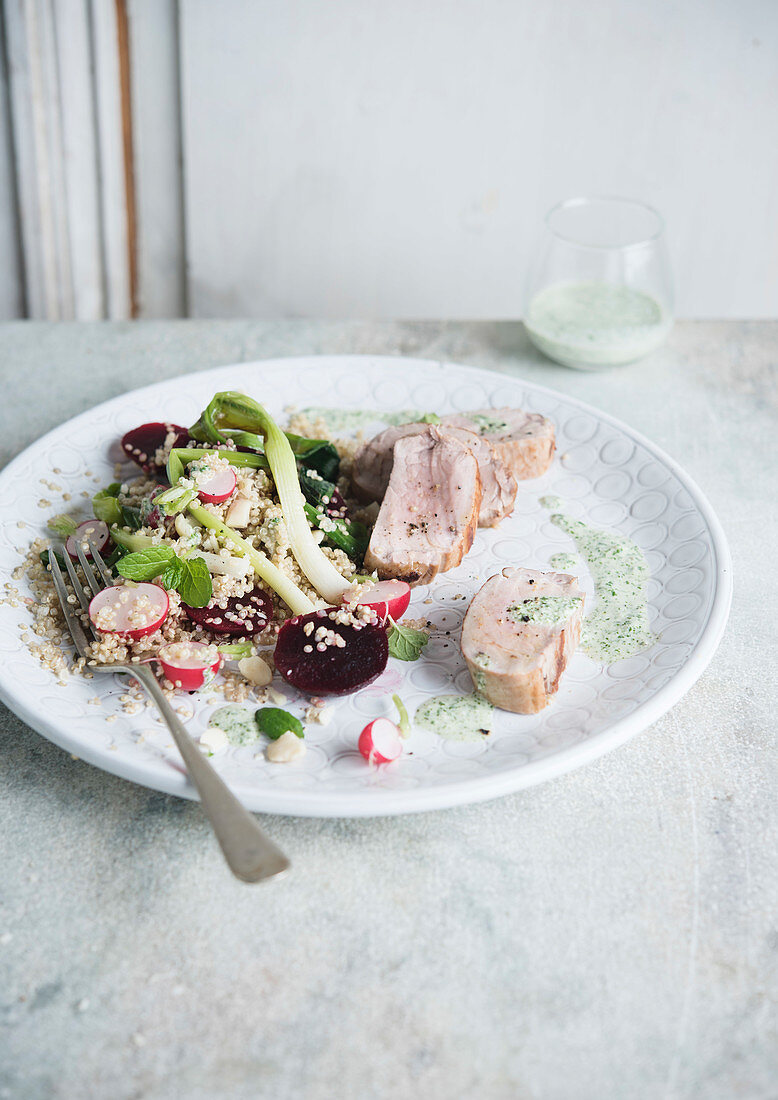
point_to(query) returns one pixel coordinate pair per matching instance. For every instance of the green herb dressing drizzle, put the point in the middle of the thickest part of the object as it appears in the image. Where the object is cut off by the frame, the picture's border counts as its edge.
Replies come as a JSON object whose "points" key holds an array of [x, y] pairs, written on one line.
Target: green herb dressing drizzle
{"points": [[544, 609], [345, 420], [617, 626], [565, 562], [456, 717], [237, 722]]}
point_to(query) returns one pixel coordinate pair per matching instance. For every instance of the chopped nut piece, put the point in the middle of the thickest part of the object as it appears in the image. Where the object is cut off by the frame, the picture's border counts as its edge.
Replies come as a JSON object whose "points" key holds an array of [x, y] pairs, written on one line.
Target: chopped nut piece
{"points": [[255, 670], [288, 747]]}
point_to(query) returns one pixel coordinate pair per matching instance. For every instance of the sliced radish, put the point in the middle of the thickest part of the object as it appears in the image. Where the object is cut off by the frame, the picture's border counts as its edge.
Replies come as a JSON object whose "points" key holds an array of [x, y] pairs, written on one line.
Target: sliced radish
{"points": [[142, 443], [189, 665], [379, 742], [387, 598], [214, 487], [131, 609], [93, 529]]}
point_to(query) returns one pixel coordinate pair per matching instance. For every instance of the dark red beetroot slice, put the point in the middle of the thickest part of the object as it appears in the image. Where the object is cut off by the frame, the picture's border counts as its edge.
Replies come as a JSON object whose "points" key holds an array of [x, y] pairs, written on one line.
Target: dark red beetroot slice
{"points": [[338, 669], [143, 442], [243, 614]]}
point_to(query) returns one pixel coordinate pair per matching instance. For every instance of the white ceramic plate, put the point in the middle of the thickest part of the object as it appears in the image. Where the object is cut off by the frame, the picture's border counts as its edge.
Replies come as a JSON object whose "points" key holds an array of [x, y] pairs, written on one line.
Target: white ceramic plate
{"points": [[605, 473]]}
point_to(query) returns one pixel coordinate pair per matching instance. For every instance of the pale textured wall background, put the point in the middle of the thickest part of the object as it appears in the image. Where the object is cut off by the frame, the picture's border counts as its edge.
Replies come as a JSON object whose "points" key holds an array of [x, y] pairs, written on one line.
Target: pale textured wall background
{"points": [[364, 159]]}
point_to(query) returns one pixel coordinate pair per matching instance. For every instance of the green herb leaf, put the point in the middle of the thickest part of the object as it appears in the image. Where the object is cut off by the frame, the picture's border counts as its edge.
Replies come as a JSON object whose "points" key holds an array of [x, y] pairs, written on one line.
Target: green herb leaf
{"points": [[315, 489], [404, 722], [105, 505], [405, 643], [316, 454], [64, 526], [145, 565], [430, 418], [195, 585], [236, 651], [274, 722], [130, 517], [172, 576], [351, 537], [45, 555]]}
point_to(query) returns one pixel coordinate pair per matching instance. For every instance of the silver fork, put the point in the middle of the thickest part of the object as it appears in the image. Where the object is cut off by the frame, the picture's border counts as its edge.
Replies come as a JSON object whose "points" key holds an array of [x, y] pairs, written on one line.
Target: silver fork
{"points": [[250, 854]]}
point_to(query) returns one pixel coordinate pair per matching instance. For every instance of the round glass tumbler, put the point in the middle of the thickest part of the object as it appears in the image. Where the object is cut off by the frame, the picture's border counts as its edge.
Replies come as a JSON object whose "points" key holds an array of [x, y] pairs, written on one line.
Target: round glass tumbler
{"points": [[600, 291]]}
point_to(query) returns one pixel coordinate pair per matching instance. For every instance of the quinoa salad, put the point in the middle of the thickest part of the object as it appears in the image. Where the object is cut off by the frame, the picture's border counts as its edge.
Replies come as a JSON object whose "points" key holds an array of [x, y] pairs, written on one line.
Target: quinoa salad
{"points": [[236, 553]]}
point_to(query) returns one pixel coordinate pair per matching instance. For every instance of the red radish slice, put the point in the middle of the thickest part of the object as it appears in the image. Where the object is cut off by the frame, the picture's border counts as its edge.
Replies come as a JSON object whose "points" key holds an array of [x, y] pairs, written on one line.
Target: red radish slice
{"points": [[93, 529], [216, 487], [336, 668], [189, 665], [242, 615], [142, 443], [387, 598], [133, 610], [379, 742]]}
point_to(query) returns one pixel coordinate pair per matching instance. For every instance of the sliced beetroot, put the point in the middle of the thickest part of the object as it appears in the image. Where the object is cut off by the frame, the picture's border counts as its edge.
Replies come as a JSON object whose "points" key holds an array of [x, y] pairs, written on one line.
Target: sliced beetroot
{"points": [[248, 614], [143, 442], [311, 665], [337, 505], [154, 517]]}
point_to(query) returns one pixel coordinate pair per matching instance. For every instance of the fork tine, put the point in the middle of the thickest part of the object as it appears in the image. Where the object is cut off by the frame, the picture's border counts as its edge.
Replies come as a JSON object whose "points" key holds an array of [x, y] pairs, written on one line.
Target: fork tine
{"points": [[74, 626], [89, 573], [102, 568], [77, 583]]}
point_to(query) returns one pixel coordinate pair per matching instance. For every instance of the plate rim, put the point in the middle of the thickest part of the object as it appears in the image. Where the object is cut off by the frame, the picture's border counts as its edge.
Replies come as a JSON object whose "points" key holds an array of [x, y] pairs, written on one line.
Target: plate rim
{"points": [[361, 803]]}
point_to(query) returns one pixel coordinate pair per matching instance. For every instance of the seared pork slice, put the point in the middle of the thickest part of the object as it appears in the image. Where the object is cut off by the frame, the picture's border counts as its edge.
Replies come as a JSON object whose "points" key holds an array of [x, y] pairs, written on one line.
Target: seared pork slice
{"points": [[372, 468], [372, 465], [524, 441], [430, 509], [519, 633]]}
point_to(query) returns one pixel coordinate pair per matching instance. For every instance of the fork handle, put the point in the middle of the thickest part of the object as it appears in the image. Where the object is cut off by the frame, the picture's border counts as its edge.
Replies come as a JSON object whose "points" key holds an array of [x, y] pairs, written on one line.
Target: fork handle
{"points": [[250, 854]]}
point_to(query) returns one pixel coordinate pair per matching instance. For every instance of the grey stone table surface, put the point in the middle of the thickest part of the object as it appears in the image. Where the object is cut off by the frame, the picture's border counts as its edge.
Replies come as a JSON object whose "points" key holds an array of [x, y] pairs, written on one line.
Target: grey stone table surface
{"points": [[610, 934]]}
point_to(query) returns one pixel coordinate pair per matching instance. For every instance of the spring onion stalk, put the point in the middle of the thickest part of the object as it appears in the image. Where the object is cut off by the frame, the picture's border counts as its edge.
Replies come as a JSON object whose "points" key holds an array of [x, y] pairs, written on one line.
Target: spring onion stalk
{"points": [[292, 596], [237, 410], [403, 723], [180, 456]]}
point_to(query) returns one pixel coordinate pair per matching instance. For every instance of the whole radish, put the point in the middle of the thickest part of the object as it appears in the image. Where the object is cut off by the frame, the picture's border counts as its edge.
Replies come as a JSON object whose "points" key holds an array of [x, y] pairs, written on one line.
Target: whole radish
{"points": [[380, 741]]}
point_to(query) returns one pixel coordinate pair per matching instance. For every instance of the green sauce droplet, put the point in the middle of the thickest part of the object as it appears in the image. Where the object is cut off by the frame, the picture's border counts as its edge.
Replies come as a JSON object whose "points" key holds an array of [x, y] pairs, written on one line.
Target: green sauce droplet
{"points": [[456, 717]]}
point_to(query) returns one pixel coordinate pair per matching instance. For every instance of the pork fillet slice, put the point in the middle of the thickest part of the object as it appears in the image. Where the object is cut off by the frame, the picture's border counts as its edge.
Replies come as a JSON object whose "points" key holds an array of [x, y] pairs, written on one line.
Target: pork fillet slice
{"points": [[523, 440], [430, 509], [373, 461], [519, 633]]}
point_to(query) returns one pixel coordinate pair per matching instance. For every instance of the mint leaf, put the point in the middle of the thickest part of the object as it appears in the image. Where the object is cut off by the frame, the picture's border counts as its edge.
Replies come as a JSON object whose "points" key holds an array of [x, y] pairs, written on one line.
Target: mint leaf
{"points": [[63, 526], [274, 723], [195, 585], [171, 578], [145, 565], [405, 643], [429, 418]]}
